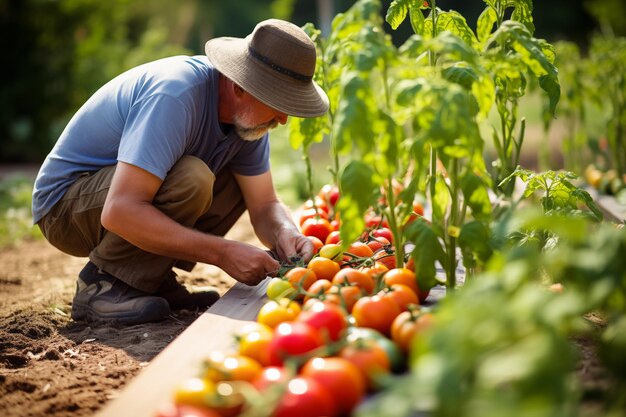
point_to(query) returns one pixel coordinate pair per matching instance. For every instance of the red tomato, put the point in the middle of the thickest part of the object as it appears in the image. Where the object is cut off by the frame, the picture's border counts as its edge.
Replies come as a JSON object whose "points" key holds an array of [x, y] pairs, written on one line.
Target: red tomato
{"points": [[311, 213], [305, 397], [376, 312], [377, 243], [318, 227], [383, 232], [329, 193], [328, 318], [386, 258], [341, 377], [293, 338], [333, 237], [270, 376], [374, 220], [319, 203], [370, 358]]}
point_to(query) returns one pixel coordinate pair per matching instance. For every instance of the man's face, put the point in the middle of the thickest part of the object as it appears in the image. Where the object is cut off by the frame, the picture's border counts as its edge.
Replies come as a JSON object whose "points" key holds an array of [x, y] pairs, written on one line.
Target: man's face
{"points": [[253, 119], [247, 128]]}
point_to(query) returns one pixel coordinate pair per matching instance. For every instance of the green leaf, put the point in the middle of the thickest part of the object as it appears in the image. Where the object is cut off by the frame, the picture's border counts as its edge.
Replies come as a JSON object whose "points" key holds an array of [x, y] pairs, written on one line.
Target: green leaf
{"points": [[476, 196], [455, 23], [303, 132], [550, 84], [397, 12], [417, 20], [485, 23], [475, 245], [357, 195], [441, 199], [461, 74], [428, 250], [353, 121]]}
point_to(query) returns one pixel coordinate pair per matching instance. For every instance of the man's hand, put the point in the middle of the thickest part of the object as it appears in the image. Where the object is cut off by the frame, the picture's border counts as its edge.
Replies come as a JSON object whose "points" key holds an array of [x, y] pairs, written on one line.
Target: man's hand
{"points": [[246, 263], [291, 246]]}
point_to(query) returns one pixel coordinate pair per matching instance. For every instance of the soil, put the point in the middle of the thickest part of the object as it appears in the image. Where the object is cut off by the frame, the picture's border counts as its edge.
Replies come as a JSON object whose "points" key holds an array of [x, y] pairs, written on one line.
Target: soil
{"points": [[53, 366]]}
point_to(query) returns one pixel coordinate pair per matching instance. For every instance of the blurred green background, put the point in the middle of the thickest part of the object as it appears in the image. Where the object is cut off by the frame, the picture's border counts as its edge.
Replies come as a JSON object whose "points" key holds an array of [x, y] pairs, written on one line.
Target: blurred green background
{"points": [[56, 53]]}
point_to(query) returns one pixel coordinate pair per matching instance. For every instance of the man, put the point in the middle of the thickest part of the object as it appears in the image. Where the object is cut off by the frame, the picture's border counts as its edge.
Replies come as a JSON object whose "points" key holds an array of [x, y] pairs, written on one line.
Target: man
{"points": [[159, 163]]}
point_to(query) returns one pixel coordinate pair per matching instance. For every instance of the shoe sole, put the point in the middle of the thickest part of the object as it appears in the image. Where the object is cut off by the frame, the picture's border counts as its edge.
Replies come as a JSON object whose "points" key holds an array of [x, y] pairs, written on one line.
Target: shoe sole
{"points": [[82, 312]]}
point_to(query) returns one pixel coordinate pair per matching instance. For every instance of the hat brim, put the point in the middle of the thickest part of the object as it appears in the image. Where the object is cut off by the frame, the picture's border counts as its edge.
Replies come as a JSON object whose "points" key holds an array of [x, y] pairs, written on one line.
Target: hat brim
{"points": [[281, 92]]}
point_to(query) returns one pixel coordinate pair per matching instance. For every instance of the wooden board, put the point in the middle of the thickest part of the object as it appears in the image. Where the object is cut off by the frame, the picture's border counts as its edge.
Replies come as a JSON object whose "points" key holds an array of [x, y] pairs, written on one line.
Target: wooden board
{"points": [[213, 330]]}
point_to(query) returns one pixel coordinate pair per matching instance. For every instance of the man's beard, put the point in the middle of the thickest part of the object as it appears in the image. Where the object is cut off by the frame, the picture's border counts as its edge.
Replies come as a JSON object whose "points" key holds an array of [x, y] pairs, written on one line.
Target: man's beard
{"points": [[247, 131]]}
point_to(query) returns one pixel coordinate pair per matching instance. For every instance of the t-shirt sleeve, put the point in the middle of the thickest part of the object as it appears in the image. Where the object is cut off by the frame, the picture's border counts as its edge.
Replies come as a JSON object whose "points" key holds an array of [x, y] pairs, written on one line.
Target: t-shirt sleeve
{"points": [[253, 158], [155, 134]]}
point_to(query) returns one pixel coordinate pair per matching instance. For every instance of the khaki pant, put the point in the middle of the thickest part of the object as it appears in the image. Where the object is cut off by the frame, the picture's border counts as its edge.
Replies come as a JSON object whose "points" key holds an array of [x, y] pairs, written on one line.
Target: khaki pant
{"points": [[190, 195]]}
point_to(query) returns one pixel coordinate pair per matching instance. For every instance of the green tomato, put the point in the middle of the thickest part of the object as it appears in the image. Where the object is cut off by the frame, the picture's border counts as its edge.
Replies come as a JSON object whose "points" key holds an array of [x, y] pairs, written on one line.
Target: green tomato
{"points": [[279, 288], [332, 251]]}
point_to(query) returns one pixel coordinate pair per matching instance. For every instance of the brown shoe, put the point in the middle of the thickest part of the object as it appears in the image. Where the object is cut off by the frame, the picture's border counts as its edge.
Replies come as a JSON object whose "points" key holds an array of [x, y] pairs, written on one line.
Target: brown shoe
{"points": [[179, 298], [100, 297]]}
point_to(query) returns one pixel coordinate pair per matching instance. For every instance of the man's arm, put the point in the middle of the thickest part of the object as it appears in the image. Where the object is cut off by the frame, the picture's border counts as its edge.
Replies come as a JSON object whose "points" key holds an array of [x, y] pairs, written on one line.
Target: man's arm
{"points": [[129, 213], [271, 220]]}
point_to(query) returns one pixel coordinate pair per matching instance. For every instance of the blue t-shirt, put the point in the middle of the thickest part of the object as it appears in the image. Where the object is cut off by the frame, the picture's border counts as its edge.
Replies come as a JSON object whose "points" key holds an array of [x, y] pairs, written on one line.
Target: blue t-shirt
{"points": [[149, 116]]}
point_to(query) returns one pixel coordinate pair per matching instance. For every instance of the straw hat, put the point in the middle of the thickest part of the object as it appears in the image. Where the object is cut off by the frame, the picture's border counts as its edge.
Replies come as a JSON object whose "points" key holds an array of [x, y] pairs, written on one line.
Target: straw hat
{"points": [[275, 63]]}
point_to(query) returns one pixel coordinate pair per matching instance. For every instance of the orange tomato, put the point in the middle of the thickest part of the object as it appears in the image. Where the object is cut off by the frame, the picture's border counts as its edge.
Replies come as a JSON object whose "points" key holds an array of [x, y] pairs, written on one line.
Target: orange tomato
{"points": [[407, 325], [354, 277], [360, 249], [401, 276], [402, 295], [317, 244], [300, 276], [344, 296], [323, 268], [319, 287], [376, 312]]}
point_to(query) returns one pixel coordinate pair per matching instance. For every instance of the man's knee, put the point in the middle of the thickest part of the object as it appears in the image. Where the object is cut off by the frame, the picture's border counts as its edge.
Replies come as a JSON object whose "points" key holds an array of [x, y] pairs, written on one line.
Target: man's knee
{"points": [[189, 182]]}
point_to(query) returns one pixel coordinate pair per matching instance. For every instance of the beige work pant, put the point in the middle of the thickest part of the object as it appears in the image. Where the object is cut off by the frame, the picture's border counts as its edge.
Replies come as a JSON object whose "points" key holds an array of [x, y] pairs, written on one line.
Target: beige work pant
{"points": [[191, 195]]}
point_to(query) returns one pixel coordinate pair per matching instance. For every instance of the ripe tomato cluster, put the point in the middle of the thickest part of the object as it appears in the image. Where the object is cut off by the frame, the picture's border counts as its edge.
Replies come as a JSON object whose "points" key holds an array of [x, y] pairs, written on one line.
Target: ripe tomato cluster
{"points": [[331, 331]]}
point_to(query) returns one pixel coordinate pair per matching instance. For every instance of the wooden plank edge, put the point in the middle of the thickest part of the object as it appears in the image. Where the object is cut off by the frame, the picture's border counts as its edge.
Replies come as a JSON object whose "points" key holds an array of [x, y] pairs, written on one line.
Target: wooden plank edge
{"points": [[182, 358]]}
